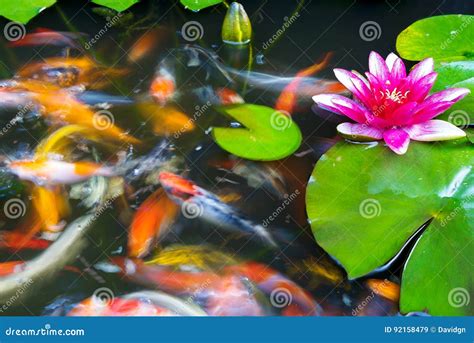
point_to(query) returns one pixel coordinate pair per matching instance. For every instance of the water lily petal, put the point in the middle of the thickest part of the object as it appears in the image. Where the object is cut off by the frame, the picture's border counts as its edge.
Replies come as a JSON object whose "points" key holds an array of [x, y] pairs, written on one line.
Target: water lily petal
{"points": [[423, 68], [359, 132], [397, 140], [450, 94], [396, 67], [403, 114], [342, 105], [420, 89], [427, 111], [434, 130], [378, 67], [354, 84]]}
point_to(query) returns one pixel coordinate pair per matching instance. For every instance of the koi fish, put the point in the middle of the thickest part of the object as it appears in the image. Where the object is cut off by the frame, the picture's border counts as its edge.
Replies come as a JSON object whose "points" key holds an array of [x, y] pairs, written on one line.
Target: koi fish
{"points": [[384, 288], [16, 241], [166, 120], [287, 99], [117, 306], [228, 96], [151, 221], [209, 207], [57, 172], [230, 296], [10, 267], [147, 42], [163, 87], [51, 206], [277, 285], [42, 36]]}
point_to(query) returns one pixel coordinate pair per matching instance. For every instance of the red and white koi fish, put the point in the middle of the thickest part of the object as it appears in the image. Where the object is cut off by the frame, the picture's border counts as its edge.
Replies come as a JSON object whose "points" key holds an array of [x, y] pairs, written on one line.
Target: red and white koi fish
{"points": [[209, 207], [92, 307], [228, 96], [163, 87], [57, 172]]}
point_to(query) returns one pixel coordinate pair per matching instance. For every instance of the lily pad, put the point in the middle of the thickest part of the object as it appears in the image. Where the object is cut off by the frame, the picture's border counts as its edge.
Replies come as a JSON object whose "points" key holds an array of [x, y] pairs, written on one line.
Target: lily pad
{"points": [[446, 37], [23, 10], [457, 74], [364, 203], [118, 5], [268, 134], [197, 5]]}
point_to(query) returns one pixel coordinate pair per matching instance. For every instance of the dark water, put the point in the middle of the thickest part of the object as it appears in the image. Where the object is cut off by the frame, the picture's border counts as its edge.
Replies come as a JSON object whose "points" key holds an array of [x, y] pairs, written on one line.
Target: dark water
{"points": [[319, 28]]}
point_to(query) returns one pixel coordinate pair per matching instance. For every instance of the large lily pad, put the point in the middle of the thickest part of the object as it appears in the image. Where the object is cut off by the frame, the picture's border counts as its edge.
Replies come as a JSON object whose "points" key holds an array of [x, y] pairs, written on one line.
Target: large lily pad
{"points": [[446, 37], [118, 5], [268, 134], [364, 203], [457, 74], [23, 10], [197, 5]]}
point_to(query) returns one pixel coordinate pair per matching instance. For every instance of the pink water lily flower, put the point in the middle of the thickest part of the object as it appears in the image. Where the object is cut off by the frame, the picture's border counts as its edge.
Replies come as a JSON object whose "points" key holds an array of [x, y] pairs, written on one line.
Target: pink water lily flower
{"points": [[392, 105]]}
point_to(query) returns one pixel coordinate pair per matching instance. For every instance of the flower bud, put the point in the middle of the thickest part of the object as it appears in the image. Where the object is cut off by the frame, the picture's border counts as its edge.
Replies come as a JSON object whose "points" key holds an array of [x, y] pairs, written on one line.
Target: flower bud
{"points": [[236, 28]]}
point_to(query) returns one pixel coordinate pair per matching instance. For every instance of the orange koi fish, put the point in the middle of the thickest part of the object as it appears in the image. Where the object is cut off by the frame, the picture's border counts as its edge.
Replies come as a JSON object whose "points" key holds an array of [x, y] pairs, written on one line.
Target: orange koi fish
{"points": [[166, 120], [70, 71], [42, 36], [51, 207], [287, 100], [151, 221], [10, 267], [228, 96], [117, 307], [14, 241], [148, 42], [163, 87], [57, 172], [384, 288]]}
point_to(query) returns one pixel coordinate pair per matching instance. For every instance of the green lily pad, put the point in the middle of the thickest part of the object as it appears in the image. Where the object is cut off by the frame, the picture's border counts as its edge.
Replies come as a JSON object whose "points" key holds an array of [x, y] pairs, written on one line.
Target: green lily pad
{"points": [[364, 202], [457, 74], [22, 11], [118, 5], [268, 135], [197, 5], [446, 37]]}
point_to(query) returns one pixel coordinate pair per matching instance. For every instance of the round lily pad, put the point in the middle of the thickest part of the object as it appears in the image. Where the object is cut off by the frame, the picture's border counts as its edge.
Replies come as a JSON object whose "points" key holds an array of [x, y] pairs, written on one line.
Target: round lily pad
{"points": [[364, 203], [267, 134]]}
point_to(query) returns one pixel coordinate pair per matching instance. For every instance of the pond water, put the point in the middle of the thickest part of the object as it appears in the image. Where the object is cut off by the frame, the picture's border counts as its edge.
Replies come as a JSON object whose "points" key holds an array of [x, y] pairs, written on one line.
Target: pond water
{"points": [[270, 193]]}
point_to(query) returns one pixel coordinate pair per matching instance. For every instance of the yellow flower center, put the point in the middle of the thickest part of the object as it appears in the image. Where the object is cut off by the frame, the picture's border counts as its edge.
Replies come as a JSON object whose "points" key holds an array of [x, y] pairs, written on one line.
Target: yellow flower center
{"points": [[395, 95]]}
